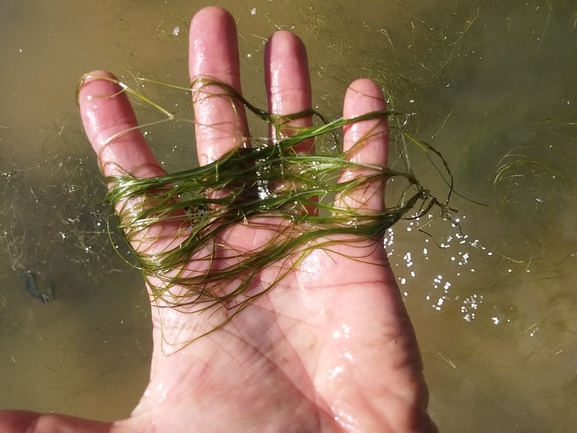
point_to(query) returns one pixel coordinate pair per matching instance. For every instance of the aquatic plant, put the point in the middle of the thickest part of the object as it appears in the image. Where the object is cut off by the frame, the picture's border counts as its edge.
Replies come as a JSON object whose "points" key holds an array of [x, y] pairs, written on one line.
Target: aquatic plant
{"points": [[298, 199]]}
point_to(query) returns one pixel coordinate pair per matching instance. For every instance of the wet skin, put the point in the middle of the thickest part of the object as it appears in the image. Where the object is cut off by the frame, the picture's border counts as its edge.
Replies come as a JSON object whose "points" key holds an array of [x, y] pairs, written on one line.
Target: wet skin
{"points": [[331, 349]]}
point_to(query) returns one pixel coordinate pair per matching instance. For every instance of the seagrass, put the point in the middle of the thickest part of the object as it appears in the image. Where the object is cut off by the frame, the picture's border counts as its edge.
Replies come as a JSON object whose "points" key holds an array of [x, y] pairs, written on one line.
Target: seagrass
{"points": [[299, 198]]}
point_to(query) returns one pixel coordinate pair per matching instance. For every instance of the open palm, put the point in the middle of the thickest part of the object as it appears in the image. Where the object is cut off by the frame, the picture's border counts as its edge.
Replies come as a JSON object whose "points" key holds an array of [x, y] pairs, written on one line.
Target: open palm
{"points": [[330, 348]]}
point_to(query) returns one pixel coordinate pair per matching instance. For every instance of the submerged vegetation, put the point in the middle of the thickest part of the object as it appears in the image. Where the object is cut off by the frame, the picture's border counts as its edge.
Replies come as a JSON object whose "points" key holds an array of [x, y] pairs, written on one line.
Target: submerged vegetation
{"points": [[51, 220], [507, 82], [299, 199]]}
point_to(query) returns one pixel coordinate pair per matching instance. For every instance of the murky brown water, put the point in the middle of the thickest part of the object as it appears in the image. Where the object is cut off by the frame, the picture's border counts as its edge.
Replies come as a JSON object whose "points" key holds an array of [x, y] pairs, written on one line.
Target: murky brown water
{"points": [[490, 83]]}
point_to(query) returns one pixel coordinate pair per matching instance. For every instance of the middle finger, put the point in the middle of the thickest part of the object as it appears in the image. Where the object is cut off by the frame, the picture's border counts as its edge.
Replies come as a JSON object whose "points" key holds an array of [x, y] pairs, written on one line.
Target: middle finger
{"points": [[220, 119]]}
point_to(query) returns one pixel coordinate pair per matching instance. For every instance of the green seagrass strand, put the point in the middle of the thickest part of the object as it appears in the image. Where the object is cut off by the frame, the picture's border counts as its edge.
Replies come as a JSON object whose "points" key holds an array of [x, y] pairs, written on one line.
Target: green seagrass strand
{"points": [[238, 176], [266, 187]]}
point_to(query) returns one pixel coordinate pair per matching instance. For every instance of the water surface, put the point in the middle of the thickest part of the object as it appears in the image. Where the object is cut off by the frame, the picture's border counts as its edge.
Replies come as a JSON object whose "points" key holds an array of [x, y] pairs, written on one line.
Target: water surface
{"points": [[489, 83]]}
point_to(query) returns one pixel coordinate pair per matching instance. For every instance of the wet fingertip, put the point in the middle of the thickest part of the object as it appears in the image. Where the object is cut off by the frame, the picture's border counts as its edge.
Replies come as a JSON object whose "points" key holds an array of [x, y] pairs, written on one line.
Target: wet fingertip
{"points": [[366, 87], [363, 96], [213, 30], [96, 76], [106, 83], [214, 12]]}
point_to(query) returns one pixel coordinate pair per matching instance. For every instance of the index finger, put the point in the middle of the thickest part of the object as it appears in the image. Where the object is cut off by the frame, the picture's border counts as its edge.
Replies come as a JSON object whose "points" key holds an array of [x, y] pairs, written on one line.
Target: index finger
{"points": [[112, 128]]}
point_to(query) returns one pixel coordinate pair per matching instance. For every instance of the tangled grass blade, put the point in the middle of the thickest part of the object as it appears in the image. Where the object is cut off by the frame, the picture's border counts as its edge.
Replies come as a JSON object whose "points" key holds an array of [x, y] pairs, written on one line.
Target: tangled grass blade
{"points": [[267, 187]]}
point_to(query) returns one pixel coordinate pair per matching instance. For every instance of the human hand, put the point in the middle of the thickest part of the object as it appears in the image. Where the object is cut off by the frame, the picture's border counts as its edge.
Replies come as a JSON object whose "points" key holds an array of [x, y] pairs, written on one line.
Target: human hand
{"points": [[331, 349]]}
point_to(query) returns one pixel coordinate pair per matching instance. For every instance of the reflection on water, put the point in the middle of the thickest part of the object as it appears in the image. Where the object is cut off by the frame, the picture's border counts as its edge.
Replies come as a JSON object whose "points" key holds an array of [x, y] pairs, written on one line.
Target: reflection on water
{"points": [[489, 83]]}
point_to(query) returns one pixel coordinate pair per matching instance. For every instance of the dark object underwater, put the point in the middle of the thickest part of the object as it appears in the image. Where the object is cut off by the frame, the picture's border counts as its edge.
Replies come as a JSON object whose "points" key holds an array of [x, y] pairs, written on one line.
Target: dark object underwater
{"points": [[33, 288]]}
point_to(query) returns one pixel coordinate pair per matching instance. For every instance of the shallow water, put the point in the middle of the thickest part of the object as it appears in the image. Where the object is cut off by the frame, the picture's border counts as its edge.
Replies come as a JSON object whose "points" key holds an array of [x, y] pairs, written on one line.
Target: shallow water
{"points": [[489, 83]]}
